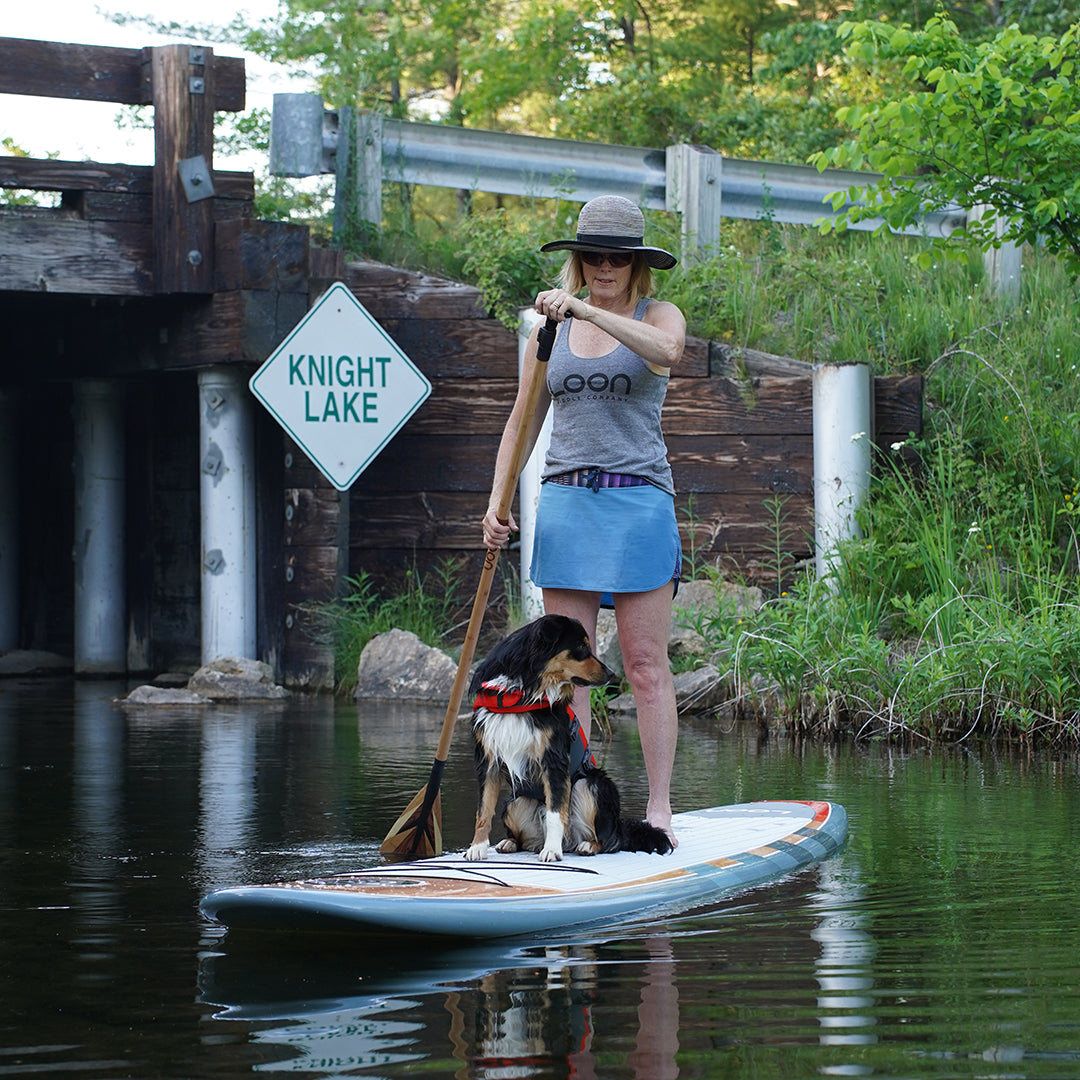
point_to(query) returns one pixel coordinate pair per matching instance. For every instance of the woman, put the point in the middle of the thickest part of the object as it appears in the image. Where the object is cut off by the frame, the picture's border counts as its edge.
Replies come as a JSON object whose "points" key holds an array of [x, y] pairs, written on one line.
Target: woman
{"points": [[606, 529]]}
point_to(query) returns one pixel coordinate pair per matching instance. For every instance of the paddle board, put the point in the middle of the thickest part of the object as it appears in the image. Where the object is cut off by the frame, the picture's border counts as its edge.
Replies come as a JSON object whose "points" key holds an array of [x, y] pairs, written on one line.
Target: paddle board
{"points": [[721, 850]]}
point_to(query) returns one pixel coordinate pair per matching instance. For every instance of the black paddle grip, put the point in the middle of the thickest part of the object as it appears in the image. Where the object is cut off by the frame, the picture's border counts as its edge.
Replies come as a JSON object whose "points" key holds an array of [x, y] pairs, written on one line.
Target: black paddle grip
{"points": [[545, 338]]}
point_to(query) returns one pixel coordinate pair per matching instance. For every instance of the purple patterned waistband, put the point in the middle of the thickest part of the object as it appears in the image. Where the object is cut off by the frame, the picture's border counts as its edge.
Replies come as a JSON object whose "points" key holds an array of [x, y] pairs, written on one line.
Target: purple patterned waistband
{"points": [[596, 479]]}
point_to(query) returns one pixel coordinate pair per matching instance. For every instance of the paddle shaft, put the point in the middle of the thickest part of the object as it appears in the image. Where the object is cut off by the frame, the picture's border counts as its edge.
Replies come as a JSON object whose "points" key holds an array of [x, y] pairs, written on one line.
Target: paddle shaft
{"points": [[545, 340]]}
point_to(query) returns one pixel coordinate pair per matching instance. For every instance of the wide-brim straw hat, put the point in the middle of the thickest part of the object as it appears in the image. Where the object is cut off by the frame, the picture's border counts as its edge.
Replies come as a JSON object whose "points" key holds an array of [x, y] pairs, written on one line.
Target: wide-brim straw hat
{"points": [[612, 223]]}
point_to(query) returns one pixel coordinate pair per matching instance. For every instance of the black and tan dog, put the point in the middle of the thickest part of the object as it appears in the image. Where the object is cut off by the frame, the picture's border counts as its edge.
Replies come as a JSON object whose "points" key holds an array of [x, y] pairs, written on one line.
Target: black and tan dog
{"points": [[524, 729]]}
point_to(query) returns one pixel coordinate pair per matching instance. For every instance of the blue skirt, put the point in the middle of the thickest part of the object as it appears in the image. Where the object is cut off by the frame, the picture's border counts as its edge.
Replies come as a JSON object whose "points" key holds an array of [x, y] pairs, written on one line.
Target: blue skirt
{"points": [[612, 540]]}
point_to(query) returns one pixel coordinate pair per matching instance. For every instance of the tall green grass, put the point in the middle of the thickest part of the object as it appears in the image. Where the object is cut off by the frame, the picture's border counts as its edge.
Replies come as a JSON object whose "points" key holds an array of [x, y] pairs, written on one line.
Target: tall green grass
{"points": [[958, 612]]}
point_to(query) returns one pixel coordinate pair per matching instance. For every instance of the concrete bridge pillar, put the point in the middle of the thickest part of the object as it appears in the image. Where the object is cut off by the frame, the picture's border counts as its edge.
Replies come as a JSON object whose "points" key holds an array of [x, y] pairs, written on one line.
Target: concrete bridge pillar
{"points": [[98, 550], [227, 501], [9, 520]]}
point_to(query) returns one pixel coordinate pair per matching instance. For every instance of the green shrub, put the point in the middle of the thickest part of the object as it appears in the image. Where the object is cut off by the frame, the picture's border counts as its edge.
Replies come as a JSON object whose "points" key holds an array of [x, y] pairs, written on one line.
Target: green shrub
{"points": [[349, 623]]}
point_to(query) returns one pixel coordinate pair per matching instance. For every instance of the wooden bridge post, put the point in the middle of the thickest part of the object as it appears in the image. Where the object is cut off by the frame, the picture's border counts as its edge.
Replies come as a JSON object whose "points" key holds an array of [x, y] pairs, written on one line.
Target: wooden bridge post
{"points": [[182, 80]]}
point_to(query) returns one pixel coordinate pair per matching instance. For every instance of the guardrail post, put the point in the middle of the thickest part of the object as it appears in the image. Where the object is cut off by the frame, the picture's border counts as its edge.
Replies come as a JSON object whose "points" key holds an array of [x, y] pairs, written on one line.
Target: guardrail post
{"points": [[297, 141], [369, 152], [693, 189], [1002, 264], [358, 177]]}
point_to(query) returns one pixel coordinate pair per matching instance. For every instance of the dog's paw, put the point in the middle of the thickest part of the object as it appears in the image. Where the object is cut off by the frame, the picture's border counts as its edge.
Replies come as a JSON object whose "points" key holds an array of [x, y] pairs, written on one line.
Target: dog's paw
{"points": [[477, 852], [550, 855], [588, 847], [506, 847]]}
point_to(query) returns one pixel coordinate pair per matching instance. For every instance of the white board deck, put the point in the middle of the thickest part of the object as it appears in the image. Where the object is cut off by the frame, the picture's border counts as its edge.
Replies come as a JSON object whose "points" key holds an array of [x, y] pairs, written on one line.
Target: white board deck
{"points": [[721, 850]]}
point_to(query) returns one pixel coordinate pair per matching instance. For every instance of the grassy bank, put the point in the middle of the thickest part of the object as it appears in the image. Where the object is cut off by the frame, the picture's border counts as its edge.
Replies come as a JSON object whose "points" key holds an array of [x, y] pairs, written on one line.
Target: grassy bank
{"points": [[958, 612]]}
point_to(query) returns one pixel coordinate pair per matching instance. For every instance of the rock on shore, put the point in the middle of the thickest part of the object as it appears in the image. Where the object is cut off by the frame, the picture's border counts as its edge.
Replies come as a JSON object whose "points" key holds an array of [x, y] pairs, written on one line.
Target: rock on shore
{"points": [[398, 665], [227, 679]]}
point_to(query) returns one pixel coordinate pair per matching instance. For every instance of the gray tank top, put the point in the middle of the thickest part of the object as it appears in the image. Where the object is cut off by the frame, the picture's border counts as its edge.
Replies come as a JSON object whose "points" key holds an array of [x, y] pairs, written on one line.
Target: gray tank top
{"points": [[606, 412]]}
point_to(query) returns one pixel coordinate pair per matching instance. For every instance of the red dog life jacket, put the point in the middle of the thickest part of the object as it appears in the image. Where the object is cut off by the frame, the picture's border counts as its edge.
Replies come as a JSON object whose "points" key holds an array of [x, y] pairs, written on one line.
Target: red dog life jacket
{"points": [[498, 700]]}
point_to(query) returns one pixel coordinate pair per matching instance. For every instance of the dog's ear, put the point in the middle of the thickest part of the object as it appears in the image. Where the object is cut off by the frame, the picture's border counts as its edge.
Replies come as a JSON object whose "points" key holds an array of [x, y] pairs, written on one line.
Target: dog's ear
{"points": [[558, 632], [549, 630]]}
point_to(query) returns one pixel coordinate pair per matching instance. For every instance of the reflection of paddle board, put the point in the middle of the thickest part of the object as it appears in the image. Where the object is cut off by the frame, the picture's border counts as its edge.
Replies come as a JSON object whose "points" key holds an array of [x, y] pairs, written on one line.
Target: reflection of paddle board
{"points": [[721, 850]]}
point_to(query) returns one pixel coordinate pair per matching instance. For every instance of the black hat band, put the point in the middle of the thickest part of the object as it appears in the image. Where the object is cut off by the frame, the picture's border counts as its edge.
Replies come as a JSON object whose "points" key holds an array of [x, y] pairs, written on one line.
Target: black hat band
{"points": [[604, 240]]}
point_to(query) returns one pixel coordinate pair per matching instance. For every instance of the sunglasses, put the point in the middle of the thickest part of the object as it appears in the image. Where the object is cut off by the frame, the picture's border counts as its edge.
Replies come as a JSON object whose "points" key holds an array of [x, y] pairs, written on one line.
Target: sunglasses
{"points": [[616, 259]]}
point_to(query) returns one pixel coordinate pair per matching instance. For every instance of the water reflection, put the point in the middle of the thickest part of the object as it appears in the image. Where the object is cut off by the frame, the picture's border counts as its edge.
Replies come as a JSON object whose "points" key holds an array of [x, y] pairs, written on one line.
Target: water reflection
{"points": [[97, 796], [9, 728], [511, 1010], [98, 768], [227, 765], [845, 966], [940, 943]]}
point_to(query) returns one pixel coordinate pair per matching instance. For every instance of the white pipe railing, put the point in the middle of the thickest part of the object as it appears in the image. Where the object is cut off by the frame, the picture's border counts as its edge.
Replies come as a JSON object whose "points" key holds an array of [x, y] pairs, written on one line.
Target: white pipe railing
{"points": [[843, 434], [532, 600]]}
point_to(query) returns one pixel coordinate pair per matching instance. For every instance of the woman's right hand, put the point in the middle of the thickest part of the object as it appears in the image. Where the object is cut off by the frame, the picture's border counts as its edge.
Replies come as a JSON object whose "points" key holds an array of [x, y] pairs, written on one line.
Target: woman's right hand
{"points": [[496, 534], [558, 304]]}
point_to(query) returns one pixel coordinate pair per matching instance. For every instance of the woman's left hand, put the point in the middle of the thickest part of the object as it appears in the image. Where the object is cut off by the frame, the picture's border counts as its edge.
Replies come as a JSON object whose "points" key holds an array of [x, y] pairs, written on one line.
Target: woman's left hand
{"points": [[557, 304]]}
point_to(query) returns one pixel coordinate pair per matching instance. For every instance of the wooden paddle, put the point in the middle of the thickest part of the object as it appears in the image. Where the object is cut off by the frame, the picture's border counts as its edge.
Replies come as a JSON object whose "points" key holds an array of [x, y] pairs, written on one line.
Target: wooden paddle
{"points": [[417, 833]]}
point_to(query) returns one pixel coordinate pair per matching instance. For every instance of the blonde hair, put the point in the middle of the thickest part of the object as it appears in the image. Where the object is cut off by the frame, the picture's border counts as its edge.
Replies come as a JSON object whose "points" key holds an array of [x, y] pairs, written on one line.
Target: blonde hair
{"points": [[572, 277]]}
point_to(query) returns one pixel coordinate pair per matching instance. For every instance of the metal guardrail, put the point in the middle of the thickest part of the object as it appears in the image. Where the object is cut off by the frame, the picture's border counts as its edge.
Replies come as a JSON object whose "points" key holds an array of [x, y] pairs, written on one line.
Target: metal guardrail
{"points": [[503, 163], [506, 164]]}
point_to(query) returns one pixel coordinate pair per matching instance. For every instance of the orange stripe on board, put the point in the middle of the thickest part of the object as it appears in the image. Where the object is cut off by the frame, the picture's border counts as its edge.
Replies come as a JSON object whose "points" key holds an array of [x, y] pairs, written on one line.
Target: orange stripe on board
{"points": [[821, 812]]}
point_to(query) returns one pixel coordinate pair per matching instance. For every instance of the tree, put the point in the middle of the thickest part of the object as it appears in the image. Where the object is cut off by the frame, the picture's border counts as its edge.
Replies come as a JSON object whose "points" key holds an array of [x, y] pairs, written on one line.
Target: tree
{"points": [[995, 123], [383, 54]]}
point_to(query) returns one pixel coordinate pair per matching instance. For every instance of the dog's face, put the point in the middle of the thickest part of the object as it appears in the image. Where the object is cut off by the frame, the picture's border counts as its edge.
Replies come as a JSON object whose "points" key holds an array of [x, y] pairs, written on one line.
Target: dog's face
{"points": [[546, 658], [571, 661]]}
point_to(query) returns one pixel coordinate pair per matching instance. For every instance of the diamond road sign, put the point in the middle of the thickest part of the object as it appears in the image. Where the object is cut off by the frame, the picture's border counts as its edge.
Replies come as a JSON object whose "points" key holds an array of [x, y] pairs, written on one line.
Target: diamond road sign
{"points": [[340, 386]]}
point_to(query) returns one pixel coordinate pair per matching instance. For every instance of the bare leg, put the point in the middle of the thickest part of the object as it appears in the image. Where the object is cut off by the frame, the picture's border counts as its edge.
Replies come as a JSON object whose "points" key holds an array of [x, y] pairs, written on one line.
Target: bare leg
{"points": [[644, 621], [584, 607]]}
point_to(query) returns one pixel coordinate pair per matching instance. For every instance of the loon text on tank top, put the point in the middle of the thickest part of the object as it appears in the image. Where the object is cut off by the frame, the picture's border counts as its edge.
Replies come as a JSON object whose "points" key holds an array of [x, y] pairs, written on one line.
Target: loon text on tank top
{"points": [[606, 412]]}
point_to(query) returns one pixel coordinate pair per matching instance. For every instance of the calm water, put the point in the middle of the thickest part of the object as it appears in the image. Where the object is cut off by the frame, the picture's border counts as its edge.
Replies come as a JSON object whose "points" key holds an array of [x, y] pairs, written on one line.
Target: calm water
{"points": [[944, 941]]}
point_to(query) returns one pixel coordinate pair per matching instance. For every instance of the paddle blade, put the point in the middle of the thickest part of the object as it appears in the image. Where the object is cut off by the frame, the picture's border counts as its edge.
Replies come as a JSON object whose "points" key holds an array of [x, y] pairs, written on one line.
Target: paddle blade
{"points": [[418, 832]]}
